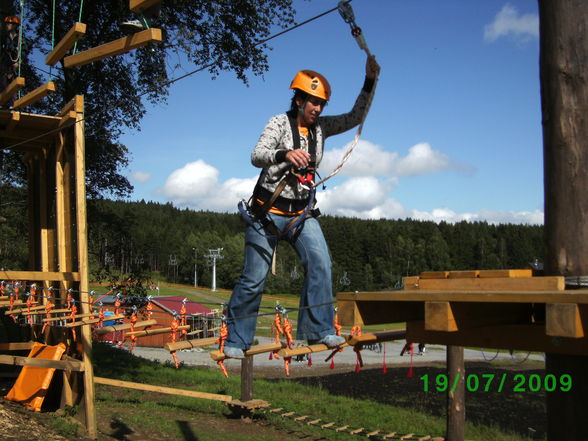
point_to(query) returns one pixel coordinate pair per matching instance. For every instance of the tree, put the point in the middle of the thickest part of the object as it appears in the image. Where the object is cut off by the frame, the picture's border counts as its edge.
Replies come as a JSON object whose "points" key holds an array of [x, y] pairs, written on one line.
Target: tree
{"points": [[222, 34]]}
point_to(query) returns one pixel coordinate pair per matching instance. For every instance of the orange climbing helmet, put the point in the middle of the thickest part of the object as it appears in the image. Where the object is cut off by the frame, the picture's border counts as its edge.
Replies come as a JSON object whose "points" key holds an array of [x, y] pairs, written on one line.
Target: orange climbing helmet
{"points": [[312, 83], [11, 19]]}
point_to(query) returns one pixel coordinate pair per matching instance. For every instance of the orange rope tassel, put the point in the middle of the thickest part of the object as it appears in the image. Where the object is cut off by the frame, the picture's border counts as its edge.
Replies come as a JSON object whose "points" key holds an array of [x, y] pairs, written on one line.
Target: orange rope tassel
{"points": [[133, 320], [30, 302], [277, 327], [174, 336], [183, 315], [48, 308], [13, 296], [72, 315], [223, 334], [289, 343], [149, 309]]}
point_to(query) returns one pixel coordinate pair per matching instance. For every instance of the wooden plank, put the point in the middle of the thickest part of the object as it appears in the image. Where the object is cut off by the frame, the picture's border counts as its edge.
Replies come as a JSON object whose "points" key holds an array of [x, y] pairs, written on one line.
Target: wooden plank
{"points": [[51, 276], [530, 337], [123, 327], [69, 365], [116, 47], [495, 284], [411, 282], [76, 104], [565, 320], [93, 321], [374, 337], [141, 5], [463, 274], [67, 317], [439, 317], [194, 343], [14, 120], [36, 95], [17, 346], [77, 31], [162, 389], [434, 275], [157, 331], [506, 273], [254, 350], [16, 84], [68, 119], [310, 349]]}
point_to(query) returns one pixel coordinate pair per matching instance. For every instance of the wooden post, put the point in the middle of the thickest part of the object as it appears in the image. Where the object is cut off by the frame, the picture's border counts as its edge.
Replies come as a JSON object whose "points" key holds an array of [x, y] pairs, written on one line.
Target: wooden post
{"points": [[564, 99], [455, 394], [247, 379]]}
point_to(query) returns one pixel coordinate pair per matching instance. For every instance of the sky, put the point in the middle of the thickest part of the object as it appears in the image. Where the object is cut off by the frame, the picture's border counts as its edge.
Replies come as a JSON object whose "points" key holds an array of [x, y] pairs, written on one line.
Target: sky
{"points": [[453, 133]]}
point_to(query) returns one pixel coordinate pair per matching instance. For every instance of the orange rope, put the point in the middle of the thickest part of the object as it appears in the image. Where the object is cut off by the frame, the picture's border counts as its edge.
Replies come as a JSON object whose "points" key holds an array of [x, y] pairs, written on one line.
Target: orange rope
{"points": [[149, 309], [69, 300], [117, 306], [48, 308], [224, 333], [100, 323], [72, 315], [174, 336], [12, 299], [356, 332], [289, 343], [30, 302], [277, 327], [133, 320], [183, 315]]}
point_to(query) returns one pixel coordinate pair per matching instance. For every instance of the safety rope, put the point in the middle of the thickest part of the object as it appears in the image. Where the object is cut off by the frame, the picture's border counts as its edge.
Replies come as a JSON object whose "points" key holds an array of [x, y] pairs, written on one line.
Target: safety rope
{"points": [[346, 12], [75, 48], [224, 333]]}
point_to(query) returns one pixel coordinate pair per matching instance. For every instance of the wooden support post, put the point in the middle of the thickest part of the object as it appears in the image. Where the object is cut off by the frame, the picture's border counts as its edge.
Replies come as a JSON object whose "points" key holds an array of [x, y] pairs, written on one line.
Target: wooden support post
{"points": [[247, 379], [77, 31], [34, 96], [116, 47], [563, 64], [17, 84], [455, 394]]}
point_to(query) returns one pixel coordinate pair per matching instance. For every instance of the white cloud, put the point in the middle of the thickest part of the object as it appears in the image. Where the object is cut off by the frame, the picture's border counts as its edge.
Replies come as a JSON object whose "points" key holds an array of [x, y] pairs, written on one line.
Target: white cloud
{"points": [[508, 22], [196, 185], [490, 216], [140, 176], [369, 159]]}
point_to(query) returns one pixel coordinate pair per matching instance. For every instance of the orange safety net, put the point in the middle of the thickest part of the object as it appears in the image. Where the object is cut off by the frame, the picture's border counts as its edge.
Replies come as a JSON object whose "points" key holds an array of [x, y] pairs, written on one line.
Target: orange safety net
{"points": [[224, 333], [32, 384]]}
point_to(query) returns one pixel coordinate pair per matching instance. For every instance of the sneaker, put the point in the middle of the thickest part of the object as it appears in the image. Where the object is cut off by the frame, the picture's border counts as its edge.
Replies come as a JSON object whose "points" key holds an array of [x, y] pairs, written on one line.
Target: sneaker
{"points": [[332, 341], [232, 352], [132, 26]]}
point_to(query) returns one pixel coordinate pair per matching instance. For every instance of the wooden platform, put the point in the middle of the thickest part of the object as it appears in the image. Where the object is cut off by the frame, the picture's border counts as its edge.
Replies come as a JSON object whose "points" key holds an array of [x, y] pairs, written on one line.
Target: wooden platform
{"points": [[507, 309]]}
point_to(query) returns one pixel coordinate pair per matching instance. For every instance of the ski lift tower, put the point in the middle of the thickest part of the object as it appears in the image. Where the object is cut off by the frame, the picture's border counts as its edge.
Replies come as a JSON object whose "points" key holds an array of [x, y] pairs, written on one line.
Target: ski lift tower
{"points": [[212, 257]]}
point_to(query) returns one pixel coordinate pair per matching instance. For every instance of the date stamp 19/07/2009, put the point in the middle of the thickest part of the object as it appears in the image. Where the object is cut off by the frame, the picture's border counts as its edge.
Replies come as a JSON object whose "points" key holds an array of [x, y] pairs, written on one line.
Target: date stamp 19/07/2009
{"points": [[498, 383]]}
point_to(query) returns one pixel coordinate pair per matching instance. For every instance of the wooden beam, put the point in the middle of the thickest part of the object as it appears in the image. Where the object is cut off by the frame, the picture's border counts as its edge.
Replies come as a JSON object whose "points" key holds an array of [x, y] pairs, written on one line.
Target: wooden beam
{"points": [[374, 337], [123, 327], [68, 119], [36, 95], [439, 317], [76, 104], [253, 350], [310, 349], [162, 389], [40, 276], [67, 317], [495, 284], [69, 365], [157, 331], [116, 47], [17, 346], [530, 337], [188, 344], [77, 31], [16, 84], [141, 5], [565, 320], [14, 120], [93, 321]]}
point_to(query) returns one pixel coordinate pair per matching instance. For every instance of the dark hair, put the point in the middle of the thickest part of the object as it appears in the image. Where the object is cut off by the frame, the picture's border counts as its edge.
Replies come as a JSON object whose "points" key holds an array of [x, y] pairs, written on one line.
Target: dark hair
{"points": [[298, 94]]}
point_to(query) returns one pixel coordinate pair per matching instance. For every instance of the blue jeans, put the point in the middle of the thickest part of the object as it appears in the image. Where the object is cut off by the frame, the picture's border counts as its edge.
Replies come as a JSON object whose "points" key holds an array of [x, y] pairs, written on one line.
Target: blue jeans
{"points": [[313, 323]]}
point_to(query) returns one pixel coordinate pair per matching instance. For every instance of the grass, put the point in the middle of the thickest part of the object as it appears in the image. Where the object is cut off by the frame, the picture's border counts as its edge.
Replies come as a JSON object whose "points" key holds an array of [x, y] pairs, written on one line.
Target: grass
{"points": [[161, 415]]}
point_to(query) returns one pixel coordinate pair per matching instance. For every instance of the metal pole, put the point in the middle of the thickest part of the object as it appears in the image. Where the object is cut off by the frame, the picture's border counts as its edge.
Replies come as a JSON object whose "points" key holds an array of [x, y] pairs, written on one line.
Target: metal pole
{"points": [[195, 267], [213, 273]]}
